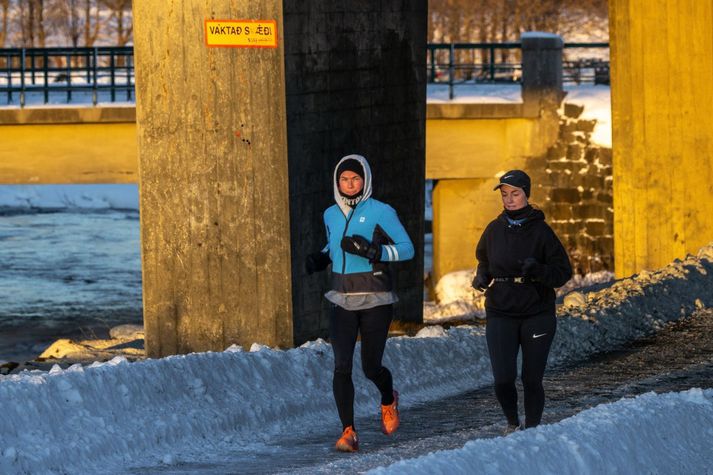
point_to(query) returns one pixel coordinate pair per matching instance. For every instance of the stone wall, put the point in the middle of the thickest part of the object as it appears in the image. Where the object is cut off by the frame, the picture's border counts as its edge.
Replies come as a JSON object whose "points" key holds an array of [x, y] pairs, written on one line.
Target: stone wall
{"points": [[355, 75], [573, 186]]}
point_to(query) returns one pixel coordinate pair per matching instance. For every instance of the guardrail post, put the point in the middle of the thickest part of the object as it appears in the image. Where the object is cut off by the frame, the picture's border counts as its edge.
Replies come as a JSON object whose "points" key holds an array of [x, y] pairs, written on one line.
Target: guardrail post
{"points": [[433, 65], [69, 77], [541, 71], [32, 66], [451, 58], [45, 71], [129, 63], [492, 63], [8, 64], [22, 77], [95, 99]]}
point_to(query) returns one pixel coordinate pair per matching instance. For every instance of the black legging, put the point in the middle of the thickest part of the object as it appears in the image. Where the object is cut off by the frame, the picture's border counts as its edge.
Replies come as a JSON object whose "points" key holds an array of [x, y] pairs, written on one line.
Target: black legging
{"points": [[505, 336], [345, 325]]}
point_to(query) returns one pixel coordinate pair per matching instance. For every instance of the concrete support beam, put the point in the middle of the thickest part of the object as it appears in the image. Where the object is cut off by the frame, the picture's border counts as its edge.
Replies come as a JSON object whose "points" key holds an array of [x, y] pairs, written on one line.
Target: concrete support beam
{"points": [[541, 71], [229, 212], [356, 83], [68, 145], [212, 144], [662, 104]]}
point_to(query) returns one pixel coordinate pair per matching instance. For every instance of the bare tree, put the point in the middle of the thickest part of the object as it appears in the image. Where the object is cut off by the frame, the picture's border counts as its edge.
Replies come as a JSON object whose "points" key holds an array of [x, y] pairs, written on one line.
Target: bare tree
{"points": [[32, 22], [120, 20], [40, 22], [68, 21], [92, 22], [5, 5], [505, 20]]}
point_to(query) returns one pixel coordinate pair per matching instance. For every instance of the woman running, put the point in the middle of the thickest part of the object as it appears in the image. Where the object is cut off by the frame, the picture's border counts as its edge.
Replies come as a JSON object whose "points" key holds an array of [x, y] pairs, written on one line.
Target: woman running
{"points": [[363, 236], [520, 262]]}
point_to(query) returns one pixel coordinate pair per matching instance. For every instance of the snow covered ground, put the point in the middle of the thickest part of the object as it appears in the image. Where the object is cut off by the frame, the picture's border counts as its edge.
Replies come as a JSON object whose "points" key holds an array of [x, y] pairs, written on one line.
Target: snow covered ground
{"points": [[107, 417], [665, 433]]}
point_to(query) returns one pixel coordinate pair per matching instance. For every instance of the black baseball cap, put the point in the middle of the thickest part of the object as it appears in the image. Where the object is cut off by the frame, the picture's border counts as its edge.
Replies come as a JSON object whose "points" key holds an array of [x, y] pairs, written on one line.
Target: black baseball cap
{"points": [[516, 178]]}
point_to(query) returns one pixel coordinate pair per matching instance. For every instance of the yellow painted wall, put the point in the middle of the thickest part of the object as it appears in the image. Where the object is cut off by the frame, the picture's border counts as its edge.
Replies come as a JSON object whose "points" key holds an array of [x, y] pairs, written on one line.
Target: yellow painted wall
{"points": [[68, 153], [469, 148], [465, 155], [662, 111], [462, 208]]}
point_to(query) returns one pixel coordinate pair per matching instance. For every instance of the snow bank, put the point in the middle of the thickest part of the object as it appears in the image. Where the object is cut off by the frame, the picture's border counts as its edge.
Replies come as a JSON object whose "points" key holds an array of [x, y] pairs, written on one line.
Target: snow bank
{"points": [[457, 300], [597, 106], [667, 433], [85, 419]]}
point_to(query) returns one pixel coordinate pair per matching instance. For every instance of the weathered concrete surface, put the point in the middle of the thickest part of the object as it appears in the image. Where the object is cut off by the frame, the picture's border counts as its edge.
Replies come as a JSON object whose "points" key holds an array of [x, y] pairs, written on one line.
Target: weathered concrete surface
{"points": [[68, 146], [662, 104], [80, 114], [214, 183], [355, 83], [481, 147], [223, 235]]}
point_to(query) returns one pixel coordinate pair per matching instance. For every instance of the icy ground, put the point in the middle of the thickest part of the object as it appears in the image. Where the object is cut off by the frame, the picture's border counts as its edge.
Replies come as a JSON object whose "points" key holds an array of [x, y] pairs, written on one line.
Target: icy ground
{"points": [[108, 418]]}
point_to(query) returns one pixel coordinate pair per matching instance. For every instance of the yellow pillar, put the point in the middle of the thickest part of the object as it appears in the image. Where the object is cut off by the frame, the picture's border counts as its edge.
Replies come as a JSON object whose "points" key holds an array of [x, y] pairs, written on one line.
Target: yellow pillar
{"points": [[212, 141], [662, 107]]}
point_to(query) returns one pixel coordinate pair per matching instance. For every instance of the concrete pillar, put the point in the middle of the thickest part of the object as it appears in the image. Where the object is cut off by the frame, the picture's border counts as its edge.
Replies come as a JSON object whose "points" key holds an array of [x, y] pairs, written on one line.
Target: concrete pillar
{"points": [[662, 104], [214, 187], [236, 149], [541, 71], [356, 83]]}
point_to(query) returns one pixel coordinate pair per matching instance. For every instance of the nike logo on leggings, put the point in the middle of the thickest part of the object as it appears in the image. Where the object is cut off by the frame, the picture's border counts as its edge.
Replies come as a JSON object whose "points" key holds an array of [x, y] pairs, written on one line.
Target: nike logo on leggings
{"points": [[535, 335]]}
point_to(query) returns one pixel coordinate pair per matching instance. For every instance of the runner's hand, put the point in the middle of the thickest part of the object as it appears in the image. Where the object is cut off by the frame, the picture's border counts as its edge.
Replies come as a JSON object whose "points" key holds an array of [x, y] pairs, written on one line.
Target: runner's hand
{"points": [[481, 282], [316, 262], [360, 246], [532, 268]]}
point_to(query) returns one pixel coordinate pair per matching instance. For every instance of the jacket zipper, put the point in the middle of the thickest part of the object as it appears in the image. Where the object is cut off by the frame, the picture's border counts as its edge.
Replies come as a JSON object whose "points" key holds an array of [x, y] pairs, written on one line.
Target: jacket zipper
{"points": [[346, 226]]}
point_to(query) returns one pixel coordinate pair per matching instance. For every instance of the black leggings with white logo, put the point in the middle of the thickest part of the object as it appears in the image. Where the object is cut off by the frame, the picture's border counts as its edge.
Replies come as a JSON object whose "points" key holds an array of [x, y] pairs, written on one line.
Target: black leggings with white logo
{"points": [[505, 336], [373, 326]]}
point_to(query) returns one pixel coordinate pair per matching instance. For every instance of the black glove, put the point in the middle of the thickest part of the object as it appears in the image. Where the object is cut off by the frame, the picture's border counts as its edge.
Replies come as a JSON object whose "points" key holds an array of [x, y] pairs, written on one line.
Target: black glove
{"points": [[316, 262], [532, 268], [481, 282], [360, 246]]}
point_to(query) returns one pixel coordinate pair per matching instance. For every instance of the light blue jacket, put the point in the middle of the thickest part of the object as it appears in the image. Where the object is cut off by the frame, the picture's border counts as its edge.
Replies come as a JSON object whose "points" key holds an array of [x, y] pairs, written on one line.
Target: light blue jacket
{"points": [[378, 223]]}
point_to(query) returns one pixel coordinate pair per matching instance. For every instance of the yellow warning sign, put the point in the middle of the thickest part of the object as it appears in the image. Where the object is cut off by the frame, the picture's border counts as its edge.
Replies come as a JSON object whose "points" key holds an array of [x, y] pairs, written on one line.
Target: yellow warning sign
{"points": [[241, 33]]}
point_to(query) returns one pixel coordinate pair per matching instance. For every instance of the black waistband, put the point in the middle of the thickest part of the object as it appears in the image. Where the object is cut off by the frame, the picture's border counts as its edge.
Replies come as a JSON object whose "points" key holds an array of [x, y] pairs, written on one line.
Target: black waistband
{"points": [[514, 280]]}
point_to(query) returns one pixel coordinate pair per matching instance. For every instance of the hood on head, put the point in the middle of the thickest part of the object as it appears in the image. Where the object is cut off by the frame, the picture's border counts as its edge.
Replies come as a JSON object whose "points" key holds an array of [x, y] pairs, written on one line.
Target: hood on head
{"points": [[366, 193]]}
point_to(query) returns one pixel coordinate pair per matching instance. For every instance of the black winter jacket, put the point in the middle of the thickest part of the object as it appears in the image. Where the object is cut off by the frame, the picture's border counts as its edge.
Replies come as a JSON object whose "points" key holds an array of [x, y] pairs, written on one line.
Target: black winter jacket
{"points": [[501, 251]]}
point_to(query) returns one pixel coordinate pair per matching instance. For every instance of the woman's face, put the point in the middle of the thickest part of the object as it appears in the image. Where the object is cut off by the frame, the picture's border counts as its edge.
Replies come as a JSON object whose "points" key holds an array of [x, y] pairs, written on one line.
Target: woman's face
{"points": [[350, 183], [513, 198]]}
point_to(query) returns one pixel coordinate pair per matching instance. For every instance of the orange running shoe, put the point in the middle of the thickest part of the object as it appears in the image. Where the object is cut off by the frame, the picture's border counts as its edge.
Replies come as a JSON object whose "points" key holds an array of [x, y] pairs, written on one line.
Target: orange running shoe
{"points": [[348, 442], [390, 416]]}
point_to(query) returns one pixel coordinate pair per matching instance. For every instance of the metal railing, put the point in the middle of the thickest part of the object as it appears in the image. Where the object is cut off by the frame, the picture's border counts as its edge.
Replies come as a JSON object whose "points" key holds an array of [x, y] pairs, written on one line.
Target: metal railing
{"points": [[43, 75], [106, 74], [459, 63]]}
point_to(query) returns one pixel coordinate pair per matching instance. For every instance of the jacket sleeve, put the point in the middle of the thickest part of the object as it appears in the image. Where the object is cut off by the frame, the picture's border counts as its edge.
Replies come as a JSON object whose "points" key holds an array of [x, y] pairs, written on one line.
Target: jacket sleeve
{"points": [[481, 254], [325, 249], [402, 247], [558, 269]]}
